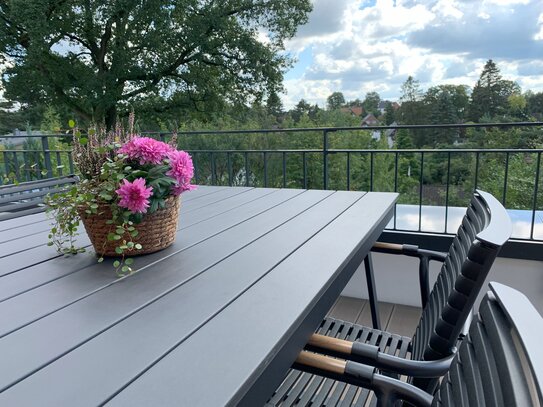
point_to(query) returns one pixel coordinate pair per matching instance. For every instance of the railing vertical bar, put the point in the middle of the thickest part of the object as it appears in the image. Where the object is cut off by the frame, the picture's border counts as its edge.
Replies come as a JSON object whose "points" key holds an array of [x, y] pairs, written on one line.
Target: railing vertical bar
{"points": [[229, 167], [16, 166], [265, 160], [47, 156], [325, 159], [396, 159], [71, 163], [505, 176], [6, 163], [26, 168], [476, 170], [371, 171], [284, 169], [246, 169], [213, 174], [420, 189], [59, 163], [395, 183], [348, 171], [304, 165], [536, 190], [447, 190], [196, 172]]}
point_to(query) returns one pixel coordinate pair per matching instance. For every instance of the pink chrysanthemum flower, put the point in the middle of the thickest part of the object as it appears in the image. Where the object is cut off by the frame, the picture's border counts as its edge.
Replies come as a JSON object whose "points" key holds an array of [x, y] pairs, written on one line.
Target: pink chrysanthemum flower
{"points": [[181, 168], [146, 150], [134, 195]]}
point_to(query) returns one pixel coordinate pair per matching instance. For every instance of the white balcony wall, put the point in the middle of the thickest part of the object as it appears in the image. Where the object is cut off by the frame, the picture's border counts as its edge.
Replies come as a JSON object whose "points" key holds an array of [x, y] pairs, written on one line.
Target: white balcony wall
{"points": [[396, 279]]}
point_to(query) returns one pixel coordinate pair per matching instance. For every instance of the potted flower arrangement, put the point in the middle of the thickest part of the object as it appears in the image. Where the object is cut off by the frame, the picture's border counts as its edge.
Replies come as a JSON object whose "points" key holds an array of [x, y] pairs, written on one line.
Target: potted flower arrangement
{"points": [[127, 198]]}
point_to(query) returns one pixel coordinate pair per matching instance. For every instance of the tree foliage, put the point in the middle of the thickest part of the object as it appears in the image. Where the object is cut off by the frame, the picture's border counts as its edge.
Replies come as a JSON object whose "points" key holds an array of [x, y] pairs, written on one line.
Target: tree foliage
{"points": [[335, 101], [97, 57], [491, 92], [371, 103]]}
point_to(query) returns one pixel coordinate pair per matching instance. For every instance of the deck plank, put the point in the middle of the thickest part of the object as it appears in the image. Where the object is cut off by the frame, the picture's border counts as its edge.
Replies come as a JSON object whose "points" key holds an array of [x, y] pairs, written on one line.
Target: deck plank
{"points": [[395, 318], [404, 320], [347, 308]]}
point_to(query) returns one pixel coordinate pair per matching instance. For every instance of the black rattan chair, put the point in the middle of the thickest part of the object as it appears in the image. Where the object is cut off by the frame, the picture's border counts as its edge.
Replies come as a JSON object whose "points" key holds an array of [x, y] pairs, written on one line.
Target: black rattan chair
{"points": [[499, 363], [27, 198], [484, 229]]}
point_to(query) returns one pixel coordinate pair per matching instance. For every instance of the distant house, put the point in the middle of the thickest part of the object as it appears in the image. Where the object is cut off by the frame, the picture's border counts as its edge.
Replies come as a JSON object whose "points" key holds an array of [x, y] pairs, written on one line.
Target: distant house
{"points": [[383, 105], [369, 120], [357, 111]]}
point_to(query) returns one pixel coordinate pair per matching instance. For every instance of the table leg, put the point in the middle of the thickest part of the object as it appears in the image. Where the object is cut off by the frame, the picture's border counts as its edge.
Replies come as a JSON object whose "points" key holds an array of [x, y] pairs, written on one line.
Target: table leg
{"points": [[372, 293]]}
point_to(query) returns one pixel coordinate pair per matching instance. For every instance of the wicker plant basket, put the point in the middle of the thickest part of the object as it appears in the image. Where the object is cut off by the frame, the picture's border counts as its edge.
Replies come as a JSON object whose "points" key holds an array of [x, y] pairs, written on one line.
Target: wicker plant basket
{"points": [[156, 232]]}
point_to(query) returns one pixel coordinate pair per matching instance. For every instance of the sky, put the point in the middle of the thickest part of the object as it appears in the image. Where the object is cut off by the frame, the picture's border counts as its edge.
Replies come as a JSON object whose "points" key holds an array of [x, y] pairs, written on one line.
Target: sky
{"points": [[359, 46]]}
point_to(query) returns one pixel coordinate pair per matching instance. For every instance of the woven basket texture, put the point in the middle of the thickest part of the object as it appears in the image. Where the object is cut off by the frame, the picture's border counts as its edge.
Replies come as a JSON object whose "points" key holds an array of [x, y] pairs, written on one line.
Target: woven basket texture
{"points": [[156, 231]]}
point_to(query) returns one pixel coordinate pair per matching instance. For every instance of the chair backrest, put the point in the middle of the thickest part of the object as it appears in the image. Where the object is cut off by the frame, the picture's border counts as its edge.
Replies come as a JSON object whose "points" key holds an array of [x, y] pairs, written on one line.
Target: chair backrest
{"points": [[484, 229], [27, 197], [500, 362]]}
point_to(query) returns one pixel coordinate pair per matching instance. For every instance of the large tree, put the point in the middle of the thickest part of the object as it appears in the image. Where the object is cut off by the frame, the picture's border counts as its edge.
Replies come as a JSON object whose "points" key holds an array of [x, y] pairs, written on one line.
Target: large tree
{"points": [[96, 57], [491, 92], [335, 101]]}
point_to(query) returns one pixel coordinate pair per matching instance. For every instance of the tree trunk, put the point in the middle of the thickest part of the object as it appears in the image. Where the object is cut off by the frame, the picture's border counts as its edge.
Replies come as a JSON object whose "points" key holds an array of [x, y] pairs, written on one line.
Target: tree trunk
{"points": [[111, 117]]}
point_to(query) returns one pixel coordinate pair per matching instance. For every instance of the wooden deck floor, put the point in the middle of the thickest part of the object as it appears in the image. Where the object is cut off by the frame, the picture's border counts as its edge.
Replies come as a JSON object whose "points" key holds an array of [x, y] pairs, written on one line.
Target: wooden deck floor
{"points": [[398, 319]]}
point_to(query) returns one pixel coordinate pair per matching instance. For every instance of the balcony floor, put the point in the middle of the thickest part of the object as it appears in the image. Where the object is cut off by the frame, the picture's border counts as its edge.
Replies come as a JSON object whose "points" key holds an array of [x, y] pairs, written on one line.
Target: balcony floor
{"points": [[395, 318]]}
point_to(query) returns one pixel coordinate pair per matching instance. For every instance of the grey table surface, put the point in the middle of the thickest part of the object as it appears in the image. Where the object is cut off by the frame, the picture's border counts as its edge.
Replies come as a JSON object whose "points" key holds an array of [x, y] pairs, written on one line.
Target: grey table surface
{"points": [[215, 319]]}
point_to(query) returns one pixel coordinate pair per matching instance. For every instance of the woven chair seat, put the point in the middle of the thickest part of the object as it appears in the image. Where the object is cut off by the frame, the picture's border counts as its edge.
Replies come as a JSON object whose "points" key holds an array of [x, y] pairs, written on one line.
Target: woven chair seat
{"points": [[304, 389]]}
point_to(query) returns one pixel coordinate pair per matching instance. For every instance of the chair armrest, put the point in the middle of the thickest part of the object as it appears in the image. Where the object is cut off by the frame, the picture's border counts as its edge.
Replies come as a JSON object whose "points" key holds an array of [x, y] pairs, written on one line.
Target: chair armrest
{"points": [[424, 256], [408, 250], [370, 355], [387, 389]]}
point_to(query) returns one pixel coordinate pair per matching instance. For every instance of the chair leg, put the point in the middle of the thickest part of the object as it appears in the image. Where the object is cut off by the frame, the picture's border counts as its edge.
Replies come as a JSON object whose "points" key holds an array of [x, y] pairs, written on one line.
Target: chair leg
{"points": [[372, 293]]}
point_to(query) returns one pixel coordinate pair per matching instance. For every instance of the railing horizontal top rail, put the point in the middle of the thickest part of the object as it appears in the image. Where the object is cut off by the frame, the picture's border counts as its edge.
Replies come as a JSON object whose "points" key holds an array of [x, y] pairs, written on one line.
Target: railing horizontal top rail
{"points": [[371, 150], [313, 129]]}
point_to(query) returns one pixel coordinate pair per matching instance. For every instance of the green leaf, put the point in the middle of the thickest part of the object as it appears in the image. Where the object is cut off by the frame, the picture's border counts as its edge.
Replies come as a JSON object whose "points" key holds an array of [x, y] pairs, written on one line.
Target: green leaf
{"points": [[118, 250], [138, 246], [110, 236], [129, 261], [100, 259], [83, 140], [116, 263], [71, 123], [120, 231], [125, 269], [116, 237]]}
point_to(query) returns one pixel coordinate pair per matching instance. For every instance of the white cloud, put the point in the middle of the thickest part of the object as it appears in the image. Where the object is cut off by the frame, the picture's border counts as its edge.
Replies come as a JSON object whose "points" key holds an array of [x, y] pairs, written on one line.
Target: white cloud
{"points": [[359, 47]]}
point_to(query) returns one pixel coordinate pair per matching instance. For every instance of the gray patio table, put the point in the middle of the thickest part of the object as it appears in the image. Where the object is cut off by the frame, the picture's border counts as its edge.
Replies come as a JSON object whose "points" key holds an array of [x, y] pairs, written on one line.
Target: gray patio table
{"points": [[215, 319]]}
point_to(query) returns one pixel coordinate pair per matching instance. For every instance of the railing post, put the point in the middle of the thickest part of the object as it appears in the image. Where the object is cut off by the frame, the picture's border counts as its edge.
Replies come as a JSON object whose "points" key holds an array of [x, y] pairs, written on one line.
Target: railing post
{"points": [[325, 159], [47, 156]]}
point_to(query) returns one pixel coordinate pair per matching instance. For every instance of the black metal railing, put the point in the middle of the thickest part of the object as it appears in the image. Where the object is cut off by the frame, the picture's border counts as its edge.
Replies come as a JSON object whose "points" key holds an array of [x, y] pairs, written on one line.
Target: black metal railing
{"points": [[434, 184]]}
